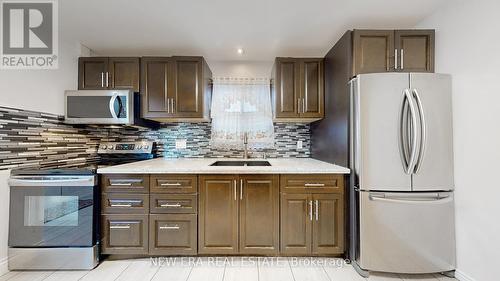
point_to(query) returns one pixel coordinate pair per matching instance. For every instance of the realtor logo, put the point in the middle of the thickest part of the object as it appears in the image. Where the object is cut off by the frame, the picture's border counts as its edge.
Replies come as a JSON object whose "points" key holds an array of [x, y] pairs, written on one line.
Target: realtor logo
{"points": [[28, 34]]}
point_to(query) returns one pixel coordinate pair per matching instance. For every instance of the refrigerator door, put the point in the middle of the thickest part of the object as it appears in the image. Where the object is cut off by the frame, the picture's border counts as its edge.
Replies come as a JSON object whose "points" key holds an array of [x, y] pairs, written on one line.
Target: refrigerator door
{"points": [[377, 113], [434, 165], [407, 232]]}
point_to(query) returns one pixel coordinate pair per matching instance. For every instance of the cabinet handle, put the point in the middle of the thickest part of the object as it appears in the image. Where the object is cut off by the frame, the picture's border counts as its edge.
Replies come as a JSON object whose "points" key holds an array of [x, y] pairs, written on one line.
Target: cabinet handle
{"points": [[169, 227], [102, 79], [234, 189], [402, 58], [170, 184], [241, 189], [173, 106], [167, 205], [314, 184], [310, 210], [127, 226], [395, 58], [168, 105], [107, 79], [317, 210], [124, 182], [298, 105], [303, 105]]}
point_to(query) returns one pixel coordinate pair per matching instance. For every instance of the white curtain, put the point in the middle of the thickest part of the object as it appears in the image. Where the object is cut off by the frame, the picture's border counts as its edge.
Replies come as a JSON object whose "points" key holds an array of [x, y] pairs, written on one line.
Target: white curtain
{"points": [[241, 106]]}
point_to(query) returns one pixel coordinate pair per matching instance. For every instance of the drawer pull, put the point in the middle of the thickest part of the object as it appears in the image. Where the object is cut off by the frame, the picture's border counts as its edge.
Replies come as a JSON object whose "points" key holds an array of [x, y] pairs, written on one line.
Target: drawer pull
{"points": [[170, 184], [314, 184], [167, 205], [124, 182], [127, 226], [169, 227], [124, 203]]}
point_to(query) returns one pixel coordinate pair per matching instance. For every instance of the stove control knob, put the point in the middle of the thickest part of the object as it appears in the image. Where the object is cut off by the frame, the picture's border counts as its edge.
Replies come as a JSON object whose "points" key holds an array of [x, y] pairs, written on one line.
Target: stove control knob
{"points": [[110, 147], [104, 146], [146, 147], [139, 147]]}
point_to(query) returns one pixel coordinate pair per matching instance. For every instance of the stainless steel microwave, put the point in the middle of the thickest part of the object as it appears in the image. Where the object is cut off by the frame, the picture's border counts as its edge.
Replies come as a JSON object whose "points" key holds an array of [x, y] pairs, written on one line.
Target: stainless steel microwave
{"points": [[99, 107]]}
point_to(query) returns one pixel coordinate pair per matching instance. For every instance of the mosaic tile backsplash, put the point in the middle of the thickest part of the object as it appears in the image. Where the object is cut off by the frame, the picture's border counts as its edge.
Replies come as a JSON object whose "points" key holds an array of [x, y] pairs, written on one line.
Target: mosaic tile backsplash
{"points": [[35, 139]]}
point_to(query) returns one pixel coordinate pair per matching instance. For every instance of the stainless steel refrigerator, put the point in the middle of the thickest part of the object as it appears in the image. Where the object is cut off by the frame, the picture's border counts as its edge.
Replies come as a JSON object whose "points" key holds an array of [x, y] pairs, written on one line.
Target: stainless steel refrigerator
{"points": [[401, 156]]}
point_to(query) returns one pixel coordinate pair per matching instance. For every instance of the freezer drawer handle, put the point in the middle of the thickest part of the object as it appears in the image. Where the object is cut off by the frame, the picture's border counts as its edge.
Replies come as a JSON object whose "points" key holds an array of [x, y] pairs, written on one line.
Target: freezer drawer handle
{"points": [[437, 197]]}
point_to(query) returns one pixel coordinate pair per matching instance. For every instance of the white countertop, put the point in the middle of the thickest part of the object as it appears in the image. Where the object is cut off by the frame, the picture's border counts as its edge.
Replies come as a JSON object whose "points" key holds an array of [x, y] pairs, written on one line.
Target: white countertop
{"points": [[202, 166]]}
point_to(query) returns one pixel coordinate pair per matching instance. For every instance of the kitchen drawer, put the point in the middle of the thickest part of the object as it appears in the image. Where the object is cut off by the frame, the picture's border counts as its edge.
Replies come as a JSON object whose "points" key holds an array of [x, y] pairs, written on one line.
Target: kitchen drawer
{"points": [[124, 203], [124, 234], [128, 183], [322, 183], [174, 184], [173, 234], [174, 203]]}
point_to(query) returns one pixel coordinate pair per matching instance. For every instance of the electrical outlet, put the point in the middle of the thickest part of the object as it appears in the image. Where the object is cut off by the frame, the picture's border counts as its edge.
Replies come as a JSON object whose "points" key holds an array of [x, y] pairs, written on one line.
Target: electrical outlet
{"points": [[180, 144], [299, 144]]}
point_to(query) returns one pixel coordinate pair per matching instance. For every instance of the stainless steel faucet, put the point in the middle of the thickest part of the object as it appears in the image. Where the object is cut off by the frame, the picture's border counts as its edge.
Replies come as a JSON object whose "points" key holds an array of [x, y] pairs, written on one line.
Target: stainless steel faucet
{"points": [[245, 145]]}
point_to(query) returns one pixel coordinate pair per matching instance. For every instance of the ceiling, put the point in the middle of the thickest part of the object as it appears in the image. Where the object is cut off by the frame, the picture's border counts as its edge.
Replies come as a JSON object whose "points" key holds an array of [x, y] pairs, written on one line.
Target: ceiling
{"points": [[216, 28]]}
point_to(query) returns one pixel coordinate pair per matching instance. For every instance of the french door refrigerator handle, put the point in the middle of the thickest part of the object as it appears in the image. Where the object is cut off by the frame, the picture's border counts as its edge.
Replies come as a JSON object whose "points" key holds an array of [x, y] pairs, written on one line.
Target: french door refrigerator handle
{"points": [[403, 132], [423, 131], [414, 140]]}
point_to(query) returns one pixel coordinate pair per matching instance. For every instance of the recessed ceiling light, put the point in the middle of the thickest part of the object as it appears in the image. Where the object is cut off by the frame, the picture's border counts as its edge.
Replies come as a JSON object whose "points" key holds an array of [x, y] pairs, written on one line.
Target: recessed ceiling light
{"points": [[240, 51]]}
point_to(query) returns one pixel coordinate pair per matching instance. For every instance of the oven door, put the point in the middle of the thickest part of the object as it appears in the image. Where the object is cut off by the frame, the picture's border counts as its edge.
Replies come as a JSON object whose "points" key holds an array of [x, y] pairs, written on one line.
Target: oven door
{"points": [[53, 212], [99, 107]]}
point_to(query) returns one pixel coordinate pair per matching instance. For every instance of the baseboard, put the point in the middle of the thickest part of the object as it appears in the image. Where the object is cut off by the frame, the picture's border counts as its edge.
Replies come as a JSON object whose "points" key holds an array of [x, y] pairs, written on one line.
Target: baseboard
{"points": [[4, 265], [462, 276]]}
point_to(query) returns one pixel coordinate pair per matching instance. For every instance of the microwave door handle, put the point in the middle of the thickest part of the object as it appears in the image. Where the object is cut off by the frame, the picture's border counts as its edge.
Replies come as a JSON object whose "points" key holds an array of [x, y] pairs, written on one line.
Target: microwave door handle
{"points": [[112, 106]]}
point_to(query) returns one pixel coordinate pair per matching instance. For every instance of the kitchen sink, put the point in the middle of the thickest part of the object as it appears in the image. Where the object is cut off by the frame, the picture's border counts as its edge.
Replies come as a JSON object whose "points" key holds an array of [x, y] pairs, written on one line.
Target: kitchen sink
{"points": [[241, 163]]}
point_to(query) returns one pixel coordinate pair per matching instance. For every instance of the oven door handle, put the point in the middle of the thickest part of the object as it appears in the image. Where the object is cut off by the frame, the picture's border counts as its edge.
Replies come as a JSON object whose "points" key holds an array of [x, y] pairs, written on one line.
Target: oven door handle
{"points": [[76, 181]]}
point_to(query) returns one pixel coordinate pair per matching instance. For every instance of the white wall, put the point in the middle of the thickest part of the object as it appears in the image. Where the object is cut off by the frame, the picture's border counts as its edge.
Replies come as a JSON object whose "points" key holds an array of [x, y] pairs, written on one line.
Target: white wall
{"points": [[246, 69], [42, 90], [468, 47], [4, 219]]}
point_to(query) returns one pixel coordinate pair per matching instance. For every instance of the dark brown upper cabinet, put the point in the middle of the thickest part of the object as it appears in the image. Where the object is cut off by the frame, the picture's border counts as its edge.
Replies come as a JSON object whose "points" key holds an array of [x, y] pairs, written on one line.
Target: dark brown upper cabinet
{"points": [[415, 49], [100, 73], [392, 51], [175, 88], [373, 51], [297, 89]]}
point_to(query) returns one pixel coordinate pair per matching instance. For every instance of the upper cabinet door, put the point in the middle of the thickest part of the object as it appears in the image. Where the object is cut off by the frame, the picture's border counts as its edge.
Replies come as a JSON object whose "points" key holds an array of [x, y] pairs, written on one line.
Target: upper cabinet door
{"points": [[312, 88], [415, 50], [157, 87], [287, 88], [92, 73], [124, 73], [373, 51], [188, 101]]}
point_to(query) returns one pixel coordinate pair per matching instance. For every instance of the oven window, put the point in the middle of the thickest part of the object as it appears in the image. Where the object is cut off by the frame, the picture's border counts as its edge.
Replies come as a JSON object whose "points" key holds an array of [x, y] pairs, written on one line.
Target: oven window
{"points": [[50, 210]]}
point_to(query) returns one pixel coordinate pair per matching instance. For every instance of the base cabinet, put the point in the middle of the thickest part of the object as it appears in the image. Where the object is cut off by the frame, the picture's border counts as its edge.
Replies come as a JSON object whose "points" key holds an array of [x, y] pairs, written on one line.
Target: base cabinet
{"points": [[124, 234], [239, 214], [312, 215], [172, 234]]}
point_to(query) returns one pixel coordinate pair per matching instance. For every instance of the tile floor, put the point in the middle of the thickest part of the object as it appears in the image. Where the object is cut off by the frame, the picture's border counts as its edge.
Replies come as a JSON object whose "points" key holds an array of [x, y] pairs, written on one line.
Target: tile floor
{"points": [[215, 269]]}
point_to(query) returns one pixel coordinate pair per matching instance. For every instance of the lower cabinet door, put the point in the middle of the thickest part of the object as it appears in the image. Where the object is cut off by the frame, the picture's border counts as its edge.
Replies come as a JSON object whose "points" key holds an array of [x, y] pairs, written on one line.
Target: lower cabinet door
{"points": [[172, 234], [124, 234], [218, 215], [296, 220], [259, 214], [328, 224]]}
